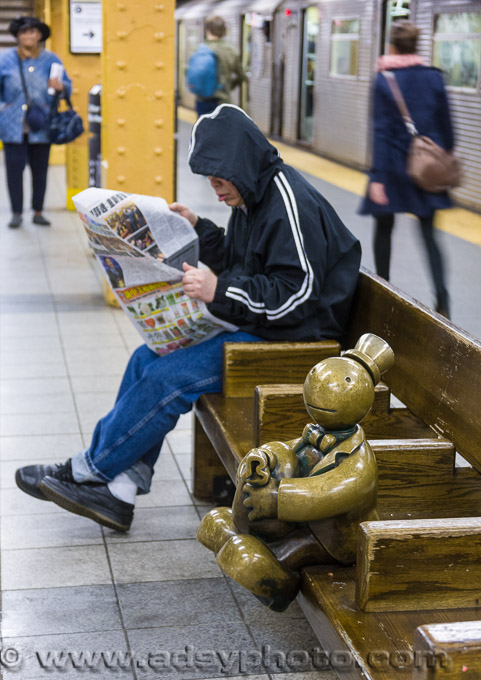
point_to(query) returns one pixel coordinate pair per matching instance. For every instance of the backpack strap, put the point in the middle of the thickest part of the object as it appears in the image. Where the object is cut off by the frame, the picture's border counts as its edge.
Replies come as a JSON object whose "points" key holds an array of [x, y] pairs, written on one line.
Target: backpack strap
{"points": [[401, 103]]}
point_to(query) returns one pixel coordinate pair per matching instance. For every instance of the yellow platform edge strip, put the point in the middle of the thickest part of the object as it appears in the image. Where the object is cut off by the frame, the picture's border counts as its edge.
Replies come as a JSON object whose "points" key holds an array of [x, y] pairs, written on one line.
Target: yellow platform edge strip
{"points": [[458, 221]]}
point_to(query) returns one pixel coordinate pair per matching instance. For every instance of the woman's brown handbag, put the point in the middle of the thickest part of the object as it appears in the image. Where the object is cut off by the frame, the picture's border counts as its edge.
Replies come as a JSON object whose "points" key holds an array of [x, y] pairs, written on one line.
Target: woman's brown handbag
{"points": [[430, 166]]}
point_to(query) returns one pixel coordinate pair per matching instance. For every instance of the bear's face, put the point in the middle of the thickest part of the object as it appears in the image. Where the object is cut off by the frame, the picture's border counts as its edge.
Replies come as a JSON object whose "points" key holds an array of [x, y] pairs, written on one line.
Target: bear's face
{"points": [[338, 393]]}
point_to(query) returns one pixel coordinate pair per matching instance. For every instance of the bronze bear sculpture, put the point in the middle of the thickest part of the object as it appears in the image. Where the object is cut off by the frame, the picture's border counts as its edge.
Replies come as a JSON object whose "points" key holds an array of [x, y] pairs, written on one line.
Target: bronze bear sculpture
{"points": [[300, 502]]}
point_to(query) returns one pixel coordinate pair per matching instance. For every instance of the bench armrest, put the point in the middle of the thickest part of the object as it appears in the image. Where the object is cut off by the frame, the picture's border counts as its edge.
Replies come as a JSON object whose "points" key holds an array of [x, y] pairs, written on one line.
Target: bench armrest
{"points": [[448, 650], [419, 564]]}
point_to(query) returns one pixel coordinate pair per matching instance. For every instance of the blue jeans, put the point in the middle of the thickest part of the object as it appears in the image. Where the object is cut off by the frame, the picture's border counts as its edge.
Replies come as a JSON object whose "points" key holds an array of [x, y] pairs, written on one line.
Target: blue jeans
{"points": [[154, 392]]}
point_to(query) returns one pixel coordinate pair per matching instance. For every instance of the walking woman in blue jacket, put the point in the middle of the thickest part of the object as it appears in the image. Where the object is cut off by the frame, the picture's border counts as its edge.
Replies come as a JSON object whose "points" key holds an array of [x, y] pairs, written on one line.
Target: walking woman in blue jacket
{"points": [[390, 189], [21, 143]]}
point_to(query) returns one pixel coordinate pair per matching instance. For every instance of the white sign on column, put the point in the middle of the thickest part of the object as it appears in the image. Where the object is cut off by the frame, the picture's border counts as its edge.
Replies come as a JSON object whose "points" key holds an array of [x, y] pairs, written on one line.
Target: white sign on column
{"points": [[86, 26]]}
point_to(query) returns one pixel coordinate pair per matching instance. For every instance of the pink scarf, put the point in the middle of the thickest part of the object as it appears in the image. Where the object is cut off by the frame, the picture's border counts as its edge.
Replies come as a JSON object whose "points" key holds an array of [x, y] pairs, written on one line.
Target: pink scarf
{"points": [[398, 61]]}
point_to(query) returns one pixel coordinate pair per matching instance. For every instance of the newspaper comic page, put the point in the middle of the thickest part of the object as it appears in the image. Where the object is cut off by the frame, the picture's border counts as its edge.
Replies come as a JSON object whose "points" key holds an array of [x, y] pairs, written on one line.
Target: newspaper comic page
{"points": [[141, 245]]}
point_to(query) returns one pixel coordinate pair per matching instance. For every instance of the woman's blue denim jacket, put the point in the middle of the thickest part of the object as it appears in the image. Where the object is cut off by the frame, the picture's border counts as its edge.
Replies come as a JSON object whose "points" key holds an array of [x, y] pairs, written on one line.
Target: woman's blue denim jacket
{"points": [[12, 97]]}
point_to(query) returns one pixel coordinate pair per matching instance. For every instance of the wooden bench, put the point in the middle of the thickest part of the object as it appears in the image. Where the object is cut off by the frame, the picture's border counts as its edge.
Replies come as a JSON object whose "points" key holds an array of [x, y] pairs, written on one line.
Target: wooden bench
{"points": [[413, 572]]}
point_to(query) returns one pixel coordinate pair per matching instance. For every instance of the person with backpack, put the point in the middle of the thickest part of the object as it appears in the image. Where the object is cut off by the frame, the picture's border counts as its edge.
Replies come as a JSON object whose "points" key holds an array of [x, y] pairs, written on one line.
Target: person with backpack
{"points": [[214, 69]]}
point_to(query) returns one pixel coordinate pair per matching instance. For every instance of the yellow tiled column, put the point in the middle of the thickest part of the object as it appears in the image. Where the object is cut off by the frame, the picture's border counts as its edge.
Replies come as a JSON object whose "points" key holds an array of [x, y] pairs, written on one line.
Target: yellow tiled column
{"points": [[137, 76], [138, 96], [85, 72]]}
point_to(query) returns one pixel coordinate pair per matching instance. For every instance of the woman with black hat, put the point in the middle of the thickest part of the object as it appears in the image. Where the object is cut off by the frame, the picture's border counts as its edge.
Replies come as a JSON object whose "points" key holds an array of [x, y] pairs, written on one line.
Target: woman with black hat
{"points": [[26, 94]]}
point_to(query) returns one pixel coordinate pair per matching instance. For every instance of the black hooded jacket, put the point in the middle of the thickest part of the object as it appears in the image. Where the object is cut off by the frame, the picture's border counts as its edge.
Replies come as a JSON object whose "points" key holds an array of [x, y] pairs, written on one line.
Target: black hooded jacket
{"points": [[287, 266]]}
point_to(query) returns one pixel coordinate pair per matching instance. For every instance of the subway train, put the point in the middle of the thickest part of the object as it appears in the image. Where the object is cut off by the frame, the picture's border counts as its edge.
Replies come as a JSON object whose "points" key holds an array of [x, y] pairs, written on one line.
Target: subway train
{"points": [[310, 67]]}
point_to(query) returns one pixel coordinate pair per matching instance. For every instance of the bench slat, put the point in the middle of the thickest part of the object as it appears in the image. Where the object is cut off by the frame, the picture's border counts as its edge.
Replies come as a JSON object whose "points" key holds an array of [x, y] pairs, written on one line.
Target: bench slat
{"points": [[420, 564], [247, 364], [429, 499]]}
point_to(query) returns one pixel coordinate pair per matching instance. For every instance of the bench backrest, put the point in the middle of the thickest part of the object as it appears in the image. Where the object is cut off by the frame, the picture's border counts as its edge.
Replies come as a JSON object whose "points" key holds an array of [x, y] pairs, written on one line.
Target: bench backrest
{"points": [[437, 371]]}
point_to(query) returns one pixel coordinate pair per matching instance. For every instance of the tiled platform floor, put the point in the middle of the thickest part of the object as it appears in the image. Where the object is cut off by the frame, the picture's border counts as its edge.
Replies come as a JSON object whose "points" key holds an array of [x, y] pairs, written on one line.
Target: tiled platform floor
{"points": [[67, 584]]}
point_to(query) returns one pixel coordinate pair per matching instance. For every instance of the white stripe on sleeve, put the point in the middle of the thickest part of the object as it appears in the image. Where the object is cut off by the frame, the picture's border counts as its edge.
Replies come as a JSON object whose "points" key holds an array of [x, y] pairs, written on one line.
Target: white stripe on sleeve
{"points": [[306, 288]]}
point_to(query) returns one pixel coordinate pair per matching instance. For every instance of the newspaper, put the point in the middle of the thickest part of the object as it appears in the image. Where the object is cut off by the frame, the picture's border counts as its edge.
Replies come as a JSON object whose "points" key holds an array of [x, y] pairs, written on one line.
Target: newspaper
{"points": [[141, 245]]}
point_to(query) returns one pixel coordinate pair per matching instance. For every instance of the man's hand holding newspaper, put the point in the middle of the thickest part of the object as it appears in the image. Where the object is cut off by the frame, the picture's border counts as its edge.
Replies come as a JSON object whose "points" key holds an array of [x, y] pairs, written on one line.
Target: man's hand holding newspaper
{"points": [[184, 211], [148, 251], [199, 284]]}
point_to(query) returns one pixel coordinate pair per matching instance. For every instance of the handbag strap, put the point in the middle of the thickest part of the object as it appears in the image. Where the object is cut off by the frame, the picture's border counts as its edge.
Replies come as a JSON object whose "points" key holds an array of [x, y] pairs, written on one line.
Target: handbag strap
{"points": [[401, 104], [56, 99], [23, 79]]}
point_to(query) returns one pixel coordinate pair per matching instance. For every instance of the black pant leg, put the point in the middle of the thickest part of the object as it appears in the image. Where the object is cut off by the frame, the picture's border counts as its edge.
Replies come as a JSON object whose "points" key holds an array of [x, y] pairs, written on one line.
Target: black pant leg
{"points": [[382, 244], [435, 262], [38, 155], [15, 161]]}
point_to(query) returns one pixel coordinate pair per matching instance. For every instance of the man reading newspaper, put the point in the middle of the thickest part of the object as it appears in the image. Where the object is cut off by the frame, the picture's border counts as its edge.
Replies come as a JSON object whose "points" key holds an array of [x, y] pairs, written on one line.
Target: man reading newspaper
{"points": [[143, 247], [285, 269]]}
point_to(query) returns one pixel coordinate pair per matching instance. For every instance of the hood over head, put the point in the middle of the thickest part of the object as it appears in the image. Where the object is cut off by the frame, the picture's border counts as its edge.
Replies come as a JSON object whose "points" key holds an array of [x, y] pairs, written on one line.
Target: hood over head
{"points": [[228, 144]]}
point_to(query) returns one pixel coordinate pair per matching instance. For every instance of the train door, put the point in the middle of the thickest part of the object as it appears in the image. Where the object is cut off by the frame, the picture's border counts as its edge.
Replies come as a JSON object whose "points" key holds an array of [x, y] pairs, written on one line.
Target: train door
{"points": [[310, 31], [246, 57], [278, 77], [392, 11], [181, 63]]}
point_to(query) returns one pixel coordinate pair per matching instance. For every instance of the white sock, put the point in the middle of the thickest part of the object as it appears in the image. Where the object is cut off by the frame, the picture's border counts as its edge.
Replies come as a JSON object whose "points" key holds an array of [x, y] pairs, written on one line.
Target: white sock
{"points": [[123, 488]]}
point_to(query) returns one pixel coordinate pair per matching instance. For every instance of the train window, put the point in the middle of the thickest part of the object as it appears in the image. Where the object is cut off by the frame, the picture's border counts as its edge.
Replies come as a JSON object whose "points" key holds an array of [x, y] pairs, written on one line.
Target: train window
{"points": [[267, 30], [345, 47], [393, 10], [457, 47], [193, 39]]}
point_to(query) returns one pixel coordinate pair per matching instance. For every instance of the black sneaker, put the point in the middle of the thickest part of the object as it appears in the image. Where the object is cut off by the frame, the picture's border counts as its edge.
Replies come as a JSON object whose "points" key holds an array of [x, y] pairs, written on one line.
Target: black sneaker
{"points": [[28, 478], [41, 220], [89, 500], [15, 221]]}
